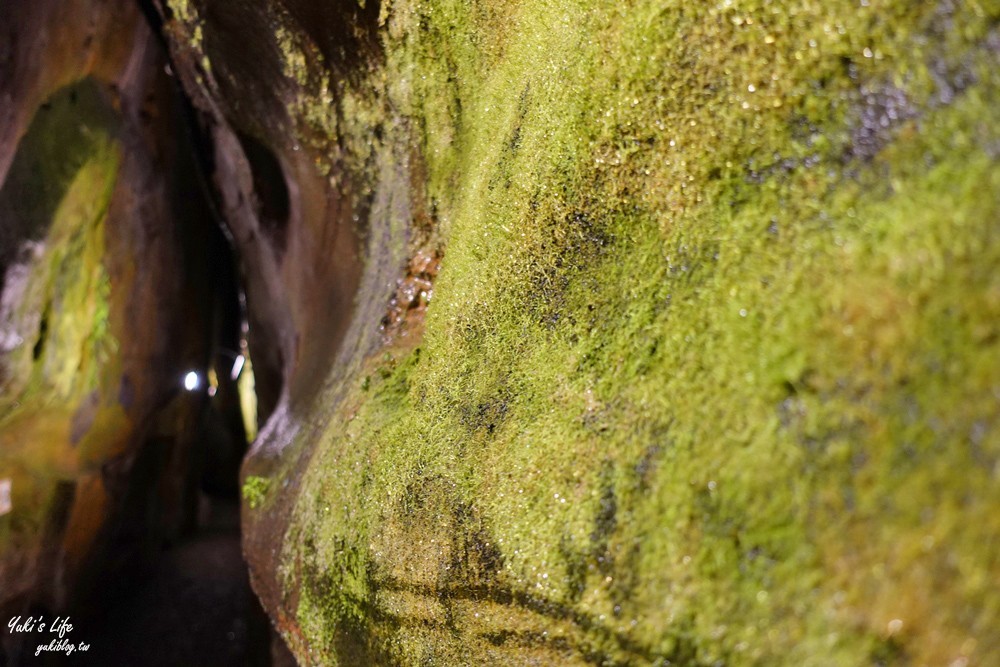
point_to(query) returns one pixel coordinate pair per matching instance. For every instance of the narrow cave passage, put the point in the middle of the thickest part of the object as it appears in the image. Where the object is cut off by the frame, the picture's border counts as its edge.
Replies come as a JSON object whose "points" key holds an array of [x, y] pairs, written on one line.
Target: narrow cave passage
{"points": [[193, 598], [125, 326]]}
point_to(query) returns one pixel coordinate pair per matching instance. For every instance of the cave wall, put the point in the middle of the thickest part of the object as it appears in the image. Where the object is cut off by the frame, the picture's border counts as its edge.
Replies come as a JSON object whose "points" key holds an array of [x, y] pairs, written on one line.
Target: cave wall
{"points": [[709, 373], [103, 257], [604, 333]]}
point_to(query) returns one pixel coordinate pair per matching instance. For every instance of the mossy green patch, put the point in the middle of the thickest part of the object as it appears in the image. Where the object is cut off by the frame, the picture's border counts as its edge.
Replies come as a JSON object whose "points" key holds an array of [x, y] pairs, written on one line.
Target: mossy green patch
{"points": [[255, 491], [68, 294], [185, 12], [710, 374], [57, 198]]}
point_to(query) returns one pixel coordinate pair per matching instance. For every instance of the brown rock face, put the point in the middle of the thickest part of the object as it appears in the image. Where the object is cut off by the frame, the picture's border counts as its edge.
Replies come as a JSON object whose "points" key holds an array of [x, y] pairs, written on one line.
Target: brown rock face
{"points": [[107, 244], [710, 372], [117, 162], [267, 79]]}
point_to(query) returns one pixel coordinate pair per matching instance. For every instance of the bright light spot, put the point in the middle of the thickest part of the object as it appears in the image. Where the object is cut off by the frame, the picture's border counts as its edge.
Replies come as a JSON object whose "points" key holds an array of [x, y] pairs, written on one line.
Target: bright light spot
{"points": [[5, 504], [237, 367], [191, 381]]}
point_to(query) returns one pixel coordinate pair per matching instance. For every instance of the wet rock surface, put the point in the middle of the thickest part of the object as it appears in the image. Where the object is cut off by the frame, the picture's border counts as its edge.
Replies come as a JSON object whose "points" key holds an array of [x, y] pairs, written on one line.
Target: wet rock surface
{"points": [[91, 169], [117, 285], [192, 606], [581, 334]]}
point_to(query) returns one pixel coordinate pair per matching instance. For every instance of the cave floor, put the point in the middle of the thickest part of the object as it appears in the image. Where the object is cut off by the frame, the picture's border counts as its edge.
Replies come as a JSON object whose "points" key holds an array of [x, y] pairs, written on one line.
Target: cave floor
{"points": [[195, 608]]}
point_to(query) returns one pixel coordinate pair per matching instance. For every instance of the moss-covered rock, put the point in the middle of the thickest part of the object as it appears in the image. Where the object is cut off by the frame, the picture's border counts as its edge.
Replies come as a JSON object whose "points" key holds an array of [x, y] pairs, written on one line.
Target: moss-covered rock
{"points": [[103, 244], [710, 372]]}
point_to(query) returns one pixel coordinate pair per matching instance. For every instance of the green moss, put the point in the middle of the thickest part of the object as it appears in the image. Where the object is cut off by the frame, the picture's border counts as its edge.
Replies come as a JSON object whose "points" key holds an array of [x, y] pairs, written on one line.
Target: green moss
{"points": [[293, 57], [187, 15], [188, 28], [710, 371], [255, 490], [57, 196], [69, 291]]}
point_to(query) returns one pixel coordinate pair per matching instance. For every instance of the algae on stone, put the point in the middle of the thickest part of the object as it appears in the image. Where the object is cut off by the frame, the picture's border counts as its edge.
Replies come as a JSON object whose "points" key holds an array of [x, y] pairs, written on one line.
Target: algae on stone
{"points": [[711, 371], [61, 316]]}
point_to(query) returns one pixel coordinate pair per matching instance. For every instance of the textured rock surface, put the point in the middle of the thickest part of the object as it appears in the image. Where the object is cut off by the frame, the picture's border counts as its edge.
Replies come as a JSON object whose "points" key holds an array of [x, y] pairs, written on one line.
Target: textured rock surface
{"points": [[710, 371], [104, 300]]}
